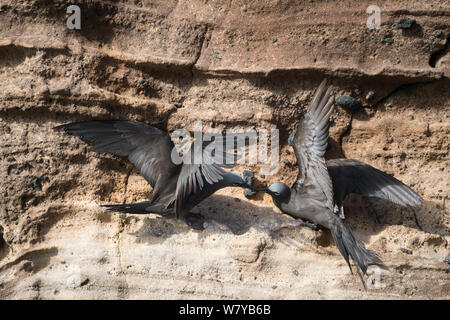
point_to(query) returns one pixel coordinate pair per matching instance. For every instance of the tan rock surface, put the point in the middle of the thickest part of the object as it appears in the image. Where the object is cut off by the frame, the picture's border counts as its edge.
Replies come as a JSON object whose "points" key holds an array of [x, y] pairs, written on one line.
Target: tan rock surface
{"points": [[246, 64]]}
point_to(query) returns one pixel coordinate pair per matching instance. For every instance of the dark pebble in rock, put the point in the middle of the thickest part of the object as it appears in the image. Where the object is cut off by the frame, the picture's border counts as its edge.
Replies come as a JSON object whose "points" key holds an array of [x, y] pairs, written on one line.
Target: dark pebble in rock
{"points": [[123, 216], [177, 105], [388, 40], [15, 171], [37, 184], [11, 159], [7, 129], [141, 81], [291, 138], [84, 282], [286, 162], [349, 103], [411, 117], [262, 175], [447, 260], [405, 23], [237, 199], [370, 95], [406, 250]]}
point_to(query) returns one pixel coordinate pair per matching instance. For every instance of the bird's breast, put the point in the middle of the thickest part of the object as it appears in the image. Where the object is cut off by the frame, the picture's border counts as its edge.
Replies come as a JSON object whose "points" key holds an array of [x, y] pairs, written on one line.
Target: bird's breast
{"points": [[304, 208]]}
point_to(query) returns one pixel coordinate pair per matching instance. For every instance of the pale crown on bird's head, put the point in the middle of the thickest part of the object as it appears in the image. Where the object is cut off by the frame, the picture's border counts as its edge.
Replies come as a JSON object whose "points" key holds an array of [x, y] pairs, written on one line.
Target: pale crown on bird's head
{"points": [[279, 189]]}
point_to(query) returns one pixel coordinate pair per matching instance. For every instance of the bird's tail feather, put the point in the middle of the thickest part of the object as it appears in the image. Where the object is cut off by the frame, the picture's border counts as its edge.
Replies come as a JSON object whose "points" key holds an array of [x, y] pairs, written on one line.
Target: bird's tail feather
{"points": [[136, 208], [351, 247]]}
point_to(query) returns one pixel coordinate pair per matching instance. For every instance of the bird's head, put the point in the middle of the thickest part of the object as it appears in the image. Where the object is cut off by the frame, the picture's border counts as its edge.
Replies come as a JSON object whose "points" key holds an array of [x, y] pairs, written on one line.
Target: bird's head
{"points": [[278, 190]]}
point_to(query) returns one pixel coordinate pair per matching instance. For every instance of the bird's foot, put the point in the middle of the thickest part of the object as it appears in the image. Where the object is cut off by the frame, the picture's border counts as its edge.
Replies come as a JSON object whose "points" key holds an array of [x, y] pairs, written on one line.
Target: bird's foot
{"points": [[301, 223], [166, 212], [195, 221]]}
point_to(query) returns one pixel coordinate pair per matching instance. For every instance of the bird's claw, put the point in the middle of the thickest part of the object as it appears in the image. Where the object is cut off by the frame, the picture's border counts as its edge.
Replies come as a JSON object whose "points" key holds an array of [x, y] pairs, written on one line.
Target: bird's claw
{"points": [[301, 223]]}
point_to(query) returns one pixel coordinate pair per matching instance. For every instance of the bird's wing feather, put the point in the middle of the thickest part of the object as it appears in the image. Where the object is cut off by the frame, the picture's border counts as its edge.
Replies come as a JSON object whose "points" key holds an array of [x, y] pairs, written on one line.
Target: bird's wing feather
{"points": [[353, 176], [194, 176], [310, 143], [147, 147]]}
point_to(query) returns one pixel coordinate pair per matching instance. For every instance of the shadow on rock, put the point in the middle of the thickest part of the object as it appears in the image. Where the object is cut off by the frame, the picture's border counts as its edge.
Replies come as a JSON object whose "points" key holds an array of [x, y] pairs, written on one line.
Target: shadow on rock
{"points": [[371, 215], [223, 214], [35, 260]]}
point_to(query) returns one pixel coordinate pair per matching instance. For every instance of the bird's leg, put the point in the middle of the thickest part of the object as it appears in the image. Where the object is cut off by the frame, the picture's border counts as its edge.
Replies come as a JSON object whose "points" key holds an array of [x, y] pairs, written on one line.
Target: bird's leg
{"points": [[165, 212], [341, 213], [295, 223], [301, 223], [339, 210], [195, 220], [361, 277]]}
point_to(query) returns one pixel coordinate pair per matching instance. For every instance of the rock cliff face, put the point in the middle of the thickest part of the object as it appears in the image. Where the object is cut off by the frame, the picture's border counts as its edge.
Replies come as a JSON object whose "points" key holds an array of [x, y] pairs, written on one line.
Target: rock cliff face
{"points": [[231, 64]]}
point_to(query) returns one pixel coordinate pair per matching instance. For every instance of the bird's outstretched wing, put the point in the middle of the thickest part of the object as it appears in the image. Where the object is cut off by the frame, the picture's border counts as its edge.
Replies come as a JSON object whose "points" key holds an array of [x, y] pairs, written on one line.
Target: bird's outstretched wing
{"points": [[310, 142], [353, 176], [147, 147], [193, 176]]}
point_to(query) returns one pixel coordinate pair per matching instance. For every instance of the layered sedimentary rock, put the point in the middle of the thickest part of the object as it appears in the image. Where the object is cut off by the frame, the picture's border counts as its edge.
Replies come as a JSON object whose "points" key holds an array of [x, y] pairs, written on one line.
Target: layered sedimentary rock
{"points": [[230, 64]]}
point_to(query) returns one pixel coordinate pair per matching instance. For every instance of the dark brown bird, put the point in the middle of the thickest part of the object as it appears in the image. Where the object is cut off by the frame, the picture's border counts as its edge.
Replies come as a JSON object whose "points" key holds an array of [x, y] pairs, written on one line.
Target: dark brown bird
{"points": [[176, 187], [321, 186]]}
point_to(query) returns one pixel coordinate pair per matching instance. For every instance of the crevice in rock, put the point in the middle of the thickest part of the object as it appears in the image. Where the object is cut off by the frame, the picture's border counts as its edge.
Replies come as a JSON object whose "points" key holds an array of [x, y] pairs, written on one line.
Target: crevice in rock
{"points": [[439, 54], [260, 249], [111, 109], [124, 285], [407, 86], [199, 53], [4, 248], [418, 13], [40, 258], [127, 177], [13, 55]]}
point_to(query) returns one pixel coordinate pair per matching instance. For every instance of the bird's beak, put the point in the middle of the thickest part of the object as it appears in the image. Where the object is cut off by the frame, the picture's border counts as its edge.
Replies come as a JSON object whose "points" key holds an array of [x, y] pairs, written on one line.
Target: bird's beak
{"points": [[246, 185]]}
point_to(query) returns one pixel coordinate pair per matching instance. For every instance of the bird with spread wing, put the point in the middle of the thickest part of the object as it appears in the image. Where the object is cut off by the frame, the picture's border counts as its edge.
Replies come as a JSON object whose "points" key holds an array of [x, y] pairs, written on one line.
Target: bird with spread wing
{"points": [[321, 186], [177, 188]]}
